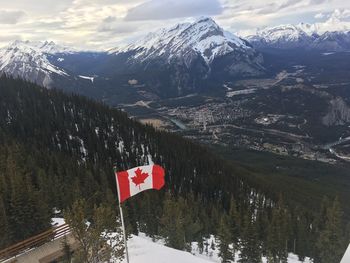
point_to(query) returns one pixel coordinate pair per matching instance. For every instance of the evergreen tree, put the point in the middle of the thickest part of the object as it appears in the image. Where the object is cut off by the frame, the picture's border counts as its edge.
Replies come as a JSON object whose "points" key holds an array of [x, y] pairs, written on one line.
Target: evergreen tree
{"points": [[206, 247], [330, 244], [200, 243], [234, 223], [303, 238], [4, 226], [277, 250], [250, 245], [225, 237], [97, 231], [172, 227]]}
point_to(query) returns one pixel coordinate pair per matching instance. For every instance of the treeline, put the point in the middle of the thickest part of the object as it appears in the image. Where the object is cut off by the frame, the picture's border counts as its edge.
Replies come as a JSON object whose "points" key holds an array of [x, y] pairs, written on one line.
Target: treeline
{"points": [[57, 148]]}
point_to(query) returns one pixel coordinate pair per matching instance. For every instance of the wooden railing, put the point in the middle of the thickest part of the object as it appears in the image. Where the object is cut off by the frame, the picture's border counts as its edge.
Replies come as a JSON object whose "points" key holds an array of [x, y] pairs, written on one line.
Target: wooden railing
{"points": [[34, 241]]}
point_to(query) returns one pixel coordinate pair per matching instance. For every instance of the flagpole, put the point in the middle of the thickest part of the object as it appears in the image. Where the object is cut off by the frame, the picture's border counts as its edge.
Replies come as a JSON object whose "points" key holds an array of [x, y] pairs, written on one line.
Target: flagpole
{"points": [[124, 234], [122, 218]]}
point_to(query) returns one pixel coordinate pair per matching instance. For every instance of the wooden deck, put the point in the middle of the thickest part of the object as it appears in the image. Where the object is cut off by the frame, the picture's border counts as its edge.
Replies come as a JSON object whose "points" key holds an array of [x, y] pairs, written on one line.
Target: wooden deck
{"points": [[42, 248]]}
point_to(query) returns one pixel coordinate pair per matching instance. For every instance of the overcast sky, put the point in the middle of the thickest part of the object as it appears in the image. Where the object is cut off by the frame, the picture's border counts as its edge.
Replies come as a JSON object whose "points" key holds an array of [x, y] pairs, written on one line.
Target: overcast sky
{"points": [[100, 24]]}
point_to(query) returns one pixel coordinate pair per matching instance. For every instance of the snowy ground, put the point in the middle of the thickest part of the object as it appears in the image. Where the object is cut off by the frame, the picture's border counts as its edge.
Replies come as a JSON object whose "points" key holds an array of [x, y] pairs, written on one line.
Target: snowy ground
{"points": [[142, 249], [346, 257]]}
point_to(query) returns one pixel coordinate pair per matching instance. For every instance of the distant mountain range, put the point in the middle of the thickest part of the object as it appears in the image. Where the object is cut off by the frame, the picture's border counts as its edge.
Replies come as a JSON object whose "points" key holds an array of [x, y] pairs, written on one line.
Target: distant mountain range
{"points": [[300, 36], [183, 59], [171, 62]]}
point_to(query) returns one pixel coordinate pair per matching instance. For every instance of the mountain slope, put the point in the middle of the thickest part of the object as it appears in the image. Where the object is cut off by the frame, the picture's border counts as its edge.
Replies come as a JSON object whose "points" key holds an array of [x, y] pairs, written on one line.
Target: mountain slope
{"points": [[30, 61], [333, 41], [183, 58], [55, 149], [64, 147]]}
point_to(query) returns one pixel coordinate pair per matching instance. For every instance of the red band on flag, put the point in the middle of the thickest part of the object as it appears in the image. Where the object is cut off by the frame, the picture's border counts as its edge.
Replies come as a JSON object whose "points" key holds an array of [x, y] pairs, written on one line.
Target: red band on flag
{"points": [[158, 177], [124, 186]]}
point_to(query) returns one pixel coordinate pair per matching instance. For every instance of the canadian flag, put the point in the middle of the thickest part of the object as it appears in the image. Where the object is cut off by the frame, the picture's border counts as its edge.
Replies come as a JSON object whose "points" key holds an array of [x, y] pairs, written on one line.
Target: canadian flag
{"points": [[138, 179]]}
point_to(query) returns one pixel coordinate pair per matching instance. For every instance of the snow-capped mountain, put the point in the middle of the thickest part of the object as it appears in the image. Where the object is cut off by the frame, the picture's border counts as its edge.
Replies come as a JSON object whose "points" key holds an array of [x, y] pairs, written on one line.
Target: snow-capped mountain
{"points": [[307, 36], [30, 61], [333, 41], [284, 36], [191, 53], [203, 37]]}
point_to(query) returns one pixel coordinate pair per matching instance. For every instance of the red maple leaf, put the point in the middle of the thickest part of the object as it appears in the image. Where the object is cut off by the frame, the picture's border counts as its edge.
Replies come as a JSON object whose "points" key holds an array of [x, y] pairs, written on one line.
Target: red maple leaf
{"points": [[139, 178]]}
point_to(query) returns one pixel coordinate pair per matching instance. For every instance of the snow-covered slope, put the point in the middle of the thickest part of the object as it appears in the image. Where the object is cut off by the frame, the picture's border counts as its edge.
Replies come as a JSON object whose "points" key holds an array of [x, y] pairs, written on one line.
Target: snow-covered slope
{"points": [[308, 36], [142, 249], [30, 61]]}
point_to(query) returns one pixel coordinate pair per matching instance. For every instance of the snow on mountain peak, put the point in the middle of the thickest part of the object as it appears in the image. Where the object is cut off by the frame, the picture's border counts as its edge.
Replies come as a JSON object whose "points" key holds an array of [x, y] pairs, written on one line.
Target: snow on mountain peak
{"points": [[48, 47], [286, 32], [30, 60], [203, 36]]}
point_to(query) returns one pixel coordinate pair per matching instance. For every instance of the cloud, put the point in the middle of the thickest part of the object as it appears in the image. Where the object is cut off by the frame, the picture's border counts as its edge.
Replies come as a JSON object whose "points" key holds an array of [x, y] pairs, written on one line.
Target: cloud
{"points": [[319, 16], [317, 2], [274, 7], [117, 28], [10, 17], [340, 14], [339, 19], [168, 9], [109, 23], [37, 6], [8, 38], [109, 19]]}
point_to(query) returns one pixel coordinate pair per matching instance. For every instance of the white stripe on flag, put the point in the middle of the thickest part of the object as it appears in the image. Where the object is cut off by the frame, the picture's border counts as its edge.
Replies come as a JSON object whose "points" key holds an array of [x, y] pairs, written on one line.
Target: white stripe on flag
{"points": [[148, 183]]}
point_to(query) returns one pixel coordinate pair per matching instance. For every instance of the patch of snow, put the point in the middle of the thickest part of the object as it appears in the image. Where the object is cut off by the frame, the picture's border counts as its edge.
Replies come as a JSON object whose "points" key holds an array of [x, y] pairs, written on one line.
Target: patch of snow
{"points": [[120, 146], [149, 158], [240, 92], [56, 221], [88, 78], [56, 211], [83, 150], [9, 117]]}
